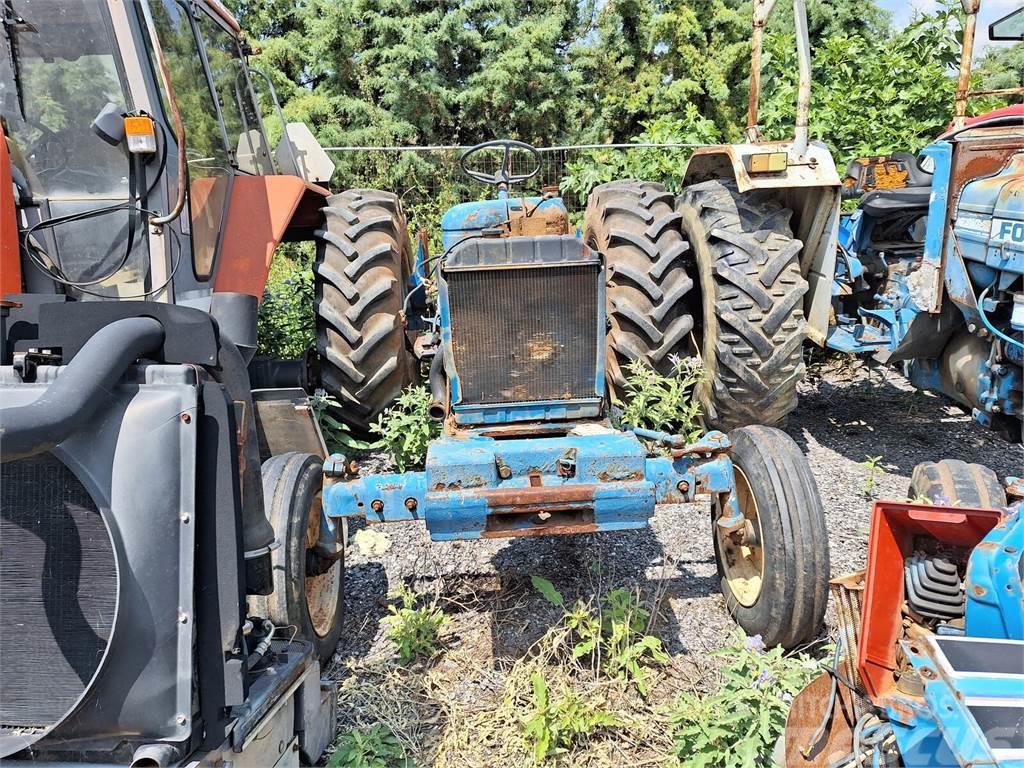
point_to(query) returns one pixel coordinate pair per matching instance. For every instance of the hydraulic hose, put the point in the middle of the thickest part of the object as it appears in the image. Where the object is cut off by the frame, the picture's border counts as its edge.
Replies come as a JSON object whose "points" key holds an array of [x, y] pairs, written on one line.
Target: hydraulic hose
{"points": [[80, 389]]}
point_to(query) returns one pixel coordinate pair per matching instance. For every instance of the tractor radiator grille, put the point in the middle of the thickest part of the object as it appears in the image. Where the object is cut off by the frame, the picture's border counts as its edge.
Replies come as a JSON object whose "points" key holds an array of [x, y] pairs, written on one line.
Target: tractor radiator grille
{"points": [[58, 592], [525, 334]]}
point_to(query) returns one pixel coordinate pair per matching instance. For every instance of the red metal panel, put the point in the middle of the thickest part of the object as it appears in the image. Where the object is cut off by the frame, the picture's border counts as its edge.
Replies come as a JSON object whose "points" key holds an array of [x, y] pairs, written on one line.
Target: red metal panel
{"points": [[260, 214], [10, 260], [894, 527]]}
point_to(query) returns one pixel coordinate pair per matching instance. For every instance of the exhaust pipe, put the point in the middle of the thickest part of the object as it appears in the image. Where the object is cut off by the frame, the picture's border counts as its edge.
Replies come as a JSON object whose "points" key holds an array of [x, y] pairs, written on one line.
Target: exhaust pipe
{"points": [[438, 407], [80, 389], [154, 756]]}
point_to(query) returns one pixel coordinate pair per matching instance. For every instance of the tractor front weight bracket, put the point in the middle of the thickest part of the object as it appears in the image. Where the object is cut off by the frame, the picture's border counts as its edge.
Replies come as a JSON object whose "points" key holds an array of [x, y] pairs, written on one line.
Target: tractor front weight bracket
{"points": [[475, 486]]}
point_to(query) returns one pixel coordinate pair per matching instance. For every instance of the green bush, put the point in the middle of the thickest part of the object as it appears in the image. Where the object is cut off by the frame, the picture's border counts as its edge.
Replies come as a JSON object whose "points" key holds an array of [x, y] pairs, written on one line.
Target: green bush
{"points": [[373, 747], [337, 435], [737, 725], [414, 629], [406, 429], [664, 403], [286, 324]]}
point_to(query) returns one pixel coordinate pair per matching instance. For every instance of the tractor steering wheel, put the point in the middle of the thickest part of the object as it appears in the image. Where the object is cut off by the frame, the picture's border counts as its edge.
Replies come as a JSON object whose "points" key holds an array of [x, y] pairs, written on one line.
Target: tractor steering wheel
{"points": [[505, 175]]}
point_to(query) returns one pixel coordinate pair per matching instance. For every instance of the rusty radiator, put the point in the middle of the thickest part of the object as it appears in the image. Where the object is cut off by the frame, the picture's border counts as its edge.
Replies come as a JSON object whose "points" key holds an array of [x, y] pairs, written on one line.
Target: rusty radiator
{"points": [[525, 332]]}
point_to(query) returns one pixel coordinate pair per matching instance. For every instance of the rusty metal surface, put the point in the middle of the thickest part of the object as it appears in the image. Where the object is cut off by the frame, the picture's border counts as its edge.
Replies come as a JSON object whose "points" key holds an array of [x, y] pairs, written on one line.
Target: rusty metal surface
{"points": [[285, 422], [540, 524], [527, 221], [511, 500], [809, 710], [848, 598], [980, 155]]}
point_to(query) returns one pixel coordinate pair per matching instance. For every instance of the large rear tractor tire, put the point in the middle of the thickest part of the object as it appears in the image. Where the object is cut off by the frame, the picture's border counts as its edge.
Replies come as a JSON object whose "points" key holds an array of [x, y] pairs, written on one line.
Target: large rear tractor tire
{"points": [[633, 224], [955, 483], [752, 328], [309, 593], [775, 573], [362, 272]]}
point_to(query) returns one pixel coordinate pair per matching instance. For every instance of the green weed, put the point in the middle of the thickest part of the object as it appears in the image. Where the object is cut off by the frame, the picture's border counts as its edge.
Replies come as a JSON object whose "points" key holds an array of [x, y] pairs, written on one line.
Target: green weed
{"points": [[873, 472], [414, 629], [737, 725], [664, 403], [337, 435], [615, 637], [373, 747], [558, 723], [406, 429]]}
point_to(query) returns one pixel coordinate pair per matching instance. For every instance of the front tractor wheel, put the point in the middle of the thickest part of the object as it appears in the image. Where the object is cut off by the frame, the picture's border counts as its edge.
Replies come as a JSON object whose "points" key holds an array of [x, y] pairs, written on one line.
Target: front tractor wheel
{"points": [[774, 571], [362, 272], [309, 591], [632, 223], [751, 327]]}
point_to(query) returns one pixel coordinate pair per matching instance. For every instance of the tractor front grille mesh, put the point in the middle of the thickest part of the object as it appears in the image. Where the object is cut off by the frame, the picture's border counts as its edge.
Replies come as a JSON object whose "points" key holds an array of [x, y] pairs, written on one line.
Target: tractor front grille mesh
{"points": [[58, 592], [525, 334]]}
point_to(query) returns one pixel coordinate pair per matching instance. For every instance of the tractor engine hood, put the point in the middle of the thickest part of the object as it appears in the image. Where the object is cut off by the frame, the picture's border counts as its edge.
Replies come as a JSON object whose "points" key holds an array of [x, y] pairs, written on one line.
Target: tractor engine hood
{"points": [[990, 220], [471, 219]]}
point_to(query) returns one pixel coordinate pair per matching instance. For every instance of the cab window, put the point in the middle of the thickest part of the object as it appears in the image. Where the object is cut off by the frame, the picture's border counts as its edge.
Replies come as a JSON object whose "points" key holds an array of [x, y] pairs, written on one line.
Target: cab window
{"points": [[241, 119], [209, 164]]}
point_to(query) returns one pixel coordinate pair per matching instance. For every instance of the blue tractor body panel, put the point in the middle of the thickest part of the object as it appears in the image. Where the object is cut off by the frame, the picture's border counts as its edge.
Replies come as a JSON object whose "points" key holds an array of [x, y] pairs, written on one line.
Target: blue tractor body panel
{"points": [[593, 479], [941, 289], [990, 224], [472, 218]]}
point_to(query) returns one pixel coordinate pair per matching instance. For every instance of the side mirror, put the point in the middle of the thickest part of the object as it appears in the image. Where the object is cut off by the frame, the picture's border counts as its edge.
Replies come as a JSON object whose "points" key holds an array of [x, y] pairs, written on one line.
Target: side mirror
{"points": [[1010, 27]]}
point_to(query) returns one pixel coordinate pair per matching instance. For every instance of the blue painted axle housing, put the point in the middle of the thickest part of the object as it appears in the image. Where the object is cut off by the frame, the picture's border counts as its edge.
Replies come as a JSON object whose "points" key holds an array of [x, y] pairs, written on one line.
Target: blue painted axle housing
{"points": [[475, 485]]}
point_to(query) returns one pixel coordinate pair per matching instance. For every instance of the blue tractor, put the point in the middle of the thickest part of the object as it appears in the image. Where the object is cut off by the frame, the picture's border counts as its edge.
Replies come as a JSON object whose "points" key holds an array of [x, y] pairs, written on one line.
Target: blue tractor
{"points": [[519, 321], [930, 269]]}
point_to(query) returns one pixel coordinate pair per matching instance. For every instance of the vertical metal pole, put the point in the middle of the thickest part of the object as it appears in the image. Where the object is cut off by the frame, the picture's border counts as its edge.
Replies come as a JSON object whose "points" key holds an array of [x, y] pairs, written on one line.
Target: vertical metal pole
{"points": [[762, 9], [963, 83], [803, 93], [755, 79]]}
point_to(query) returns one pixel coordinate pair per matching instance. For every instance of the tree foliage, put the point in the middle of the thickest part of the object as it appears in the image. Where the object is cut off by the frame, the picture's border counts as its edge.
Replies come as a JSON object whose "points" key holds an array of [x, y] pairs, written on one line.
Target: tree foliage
{"points": [[456, 72]]}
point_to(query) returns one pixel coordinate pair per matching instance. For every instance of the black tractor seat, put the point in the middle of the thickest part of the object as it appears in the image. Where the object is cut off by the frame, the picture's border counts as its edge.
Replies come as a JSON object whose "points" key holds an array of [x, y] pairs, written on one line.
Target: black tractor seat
{"points": [[883, 203]]}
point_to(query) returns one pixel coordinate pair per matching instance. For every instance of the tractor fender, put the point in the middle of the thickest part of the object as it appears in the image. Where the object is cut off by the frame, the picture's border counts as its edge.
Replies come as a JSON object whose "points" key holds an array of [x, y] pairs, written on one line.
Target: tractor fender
{"points": [[810, 187], [262, 212]]}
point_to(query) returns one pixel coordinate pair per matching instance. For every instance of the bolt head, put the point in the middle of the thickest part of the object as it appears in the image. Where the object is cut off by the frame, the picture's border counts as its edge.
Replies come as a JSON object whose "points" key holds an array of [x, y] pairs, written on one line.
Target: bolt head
{"points": [[410, 503], [377, 505], [181, 719], [683, 486]]}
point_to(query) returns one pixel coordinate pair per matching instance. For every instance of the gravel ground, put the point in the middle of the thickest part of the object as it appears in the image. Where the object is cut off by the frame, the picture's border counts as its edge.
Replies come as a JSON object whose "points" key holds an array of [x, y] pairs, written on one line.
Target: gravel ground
{"points": [[847, 412]]}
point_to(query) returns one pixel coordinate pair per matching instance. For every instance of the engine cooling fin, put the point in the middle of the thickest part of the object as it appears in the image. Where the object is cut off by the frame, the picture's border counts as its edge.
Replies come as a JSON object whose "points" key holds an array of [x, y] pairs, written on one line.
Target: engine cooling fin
{"points": [[934, 587], [58, 601]]}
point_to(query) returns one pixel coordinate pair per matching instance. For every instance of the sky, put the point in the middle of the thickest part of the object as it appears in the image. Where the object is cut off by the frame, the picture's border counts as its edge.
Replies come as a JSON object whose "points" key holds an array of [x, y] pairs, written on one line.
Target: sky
{"points": [[903, 11]]}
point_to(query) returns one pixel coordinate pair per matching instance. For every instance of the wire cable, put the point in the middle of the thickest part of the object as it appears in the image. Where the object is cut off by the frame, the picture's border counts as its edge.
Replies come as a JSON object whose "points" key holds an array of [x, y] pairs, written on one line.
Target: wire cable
{"points": [[988, 324]]}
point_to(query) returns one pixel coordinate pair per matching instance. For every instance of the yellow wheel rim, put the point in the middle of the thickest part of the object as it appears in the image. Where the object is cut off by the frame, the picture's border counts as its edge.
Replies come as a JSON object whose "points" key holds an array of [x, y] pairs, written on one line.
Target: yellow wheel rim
{"points": [[743, 561], [321, 591]]}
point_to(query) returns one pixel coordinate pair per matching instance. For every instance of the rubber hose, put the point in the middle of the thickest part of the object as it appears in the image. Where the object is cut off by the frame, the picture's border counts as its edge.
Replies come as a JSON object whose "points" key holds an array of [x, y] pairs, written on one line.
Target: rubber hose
{"points": [[85, 384]]}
